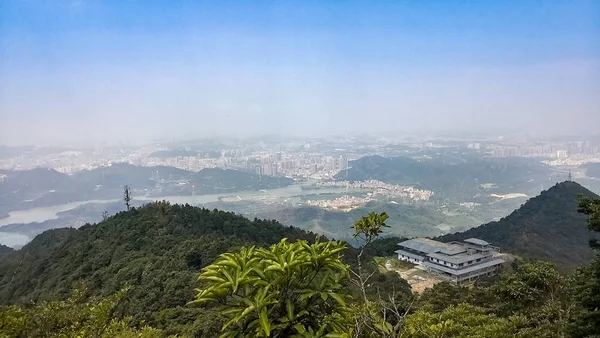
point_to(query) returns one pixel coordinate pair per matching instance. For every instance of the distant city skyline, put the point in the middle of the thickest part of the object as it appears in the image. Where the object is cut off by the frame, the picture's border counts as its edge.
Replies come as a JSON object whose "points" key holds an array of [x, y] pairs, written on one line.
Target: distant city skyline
{"points": [[87, 72]]}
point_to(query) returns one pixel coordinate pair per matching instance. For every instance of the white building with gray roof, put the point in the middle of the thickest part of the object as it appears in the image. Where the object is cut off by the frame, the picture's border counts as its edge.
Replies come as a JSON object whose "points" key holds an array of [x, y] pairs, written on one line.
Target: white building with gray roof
{"points": [[457, 262]]}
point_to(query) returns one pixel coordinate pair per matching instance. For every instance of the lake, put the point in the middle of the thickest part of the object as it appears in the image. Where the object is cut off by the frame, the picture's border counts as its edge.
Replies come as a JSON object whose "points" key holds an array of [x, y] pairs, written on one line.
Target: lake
{"points": [[36, 215], [13, 240]]}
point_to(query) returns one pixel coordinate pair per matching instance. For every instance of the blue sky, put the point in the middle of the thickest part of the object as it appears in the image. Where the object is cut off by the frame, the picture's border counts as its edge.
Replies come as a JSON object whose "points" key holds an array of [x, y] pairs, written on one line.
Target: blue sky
{"points": [[87, 71]]}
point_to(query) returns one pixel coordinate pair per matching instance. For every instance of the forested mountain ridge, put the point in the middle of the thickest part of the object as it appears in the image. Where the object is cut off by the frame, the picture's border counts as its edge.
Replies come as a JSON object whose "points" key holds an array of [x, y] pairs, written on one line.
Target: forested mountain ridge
{"points": [[215, 180], [45, 187], [458, 176], [158, 249], [546, 227], [405, 220], [5, 249]]}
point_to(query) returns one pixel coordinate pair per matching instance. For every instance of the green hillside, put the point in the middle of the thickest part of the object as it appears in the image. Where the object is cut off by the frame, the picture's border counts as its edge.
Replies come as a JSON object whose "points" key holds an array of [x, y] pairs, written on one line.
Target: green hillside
{"points": [[457, 177], [405, 220], [216, 180], [547, 227], [158, 249], [4, 249]]}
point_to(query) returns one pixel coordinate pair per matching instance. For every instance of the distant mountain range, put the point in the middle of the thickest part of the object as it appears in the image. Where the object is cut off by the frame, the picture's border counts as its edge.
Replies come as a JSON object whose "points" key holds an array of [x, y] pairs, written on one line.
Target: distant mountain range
{"points": [[461, 177], [547, 227], [46, 187]]}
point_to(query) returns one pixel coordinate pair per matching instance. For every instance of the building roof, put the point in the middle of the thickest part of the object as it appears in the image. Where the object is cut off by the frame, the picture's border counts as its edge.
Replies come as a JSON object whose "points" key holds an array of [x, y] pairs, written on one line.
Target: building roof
{"points": [[409, 254], [458, 272], [426, 246], [476, 241], [457, 259]]}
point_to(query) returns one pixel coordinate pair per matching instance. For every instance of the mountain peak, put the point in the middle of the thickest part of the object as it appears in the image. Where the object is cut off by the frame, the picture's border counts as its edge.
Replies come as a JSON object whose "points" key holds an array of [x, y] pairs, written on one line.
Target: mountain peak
{"points": [[546, 227], [570, 186]]}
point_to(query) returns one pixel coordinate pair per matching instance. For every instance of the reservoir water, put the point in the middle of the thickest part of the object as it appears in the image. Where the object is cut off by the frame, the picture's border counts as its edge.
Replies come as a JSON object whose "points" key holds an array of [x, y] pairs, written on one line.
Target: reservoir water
{"points": [[47, 213], [13, 240]]}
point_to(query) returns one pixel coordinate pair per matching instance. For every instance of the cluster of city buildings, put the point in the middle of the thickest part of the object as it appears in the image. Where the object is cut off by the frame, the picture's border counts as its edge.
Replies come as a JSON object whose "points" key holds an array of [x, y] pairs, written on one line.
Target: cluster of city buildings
{"points": [[457, 262], [344, 203], [296, 164], [548, 150], [296, 160], [382, 189]]}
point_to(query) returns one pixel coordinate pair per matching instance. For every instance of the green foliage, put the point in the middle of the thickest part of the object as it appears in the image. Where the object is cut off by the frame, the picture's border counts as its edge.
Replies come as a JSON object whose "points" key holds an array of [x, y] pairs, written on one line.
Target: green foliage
{"points": [[405, 220], [158, 249], [383, 247], [530, 286], [548, 227], [464, 321], [288, 290], [591, 208], [370, 227], [535, 292], [72, 318], [292, 288], [587, 279]]}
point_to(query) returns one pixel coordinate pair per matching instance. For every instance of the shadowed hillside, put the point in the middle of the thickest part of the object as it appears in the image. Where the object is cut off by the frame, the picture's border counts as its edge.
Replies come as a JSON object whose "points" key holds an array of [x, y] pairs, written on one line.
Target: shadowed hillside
{"points": [[4, 249], [158, 249], [547, 227]]}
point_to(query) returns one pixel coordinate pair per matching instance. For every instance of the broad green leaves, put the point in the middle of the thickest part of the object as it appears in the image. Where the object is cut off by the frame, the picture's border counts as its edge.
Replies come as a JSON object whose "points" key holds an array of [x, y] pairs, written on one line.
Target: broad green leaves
{"points": [[371, 226], [287, 290]]}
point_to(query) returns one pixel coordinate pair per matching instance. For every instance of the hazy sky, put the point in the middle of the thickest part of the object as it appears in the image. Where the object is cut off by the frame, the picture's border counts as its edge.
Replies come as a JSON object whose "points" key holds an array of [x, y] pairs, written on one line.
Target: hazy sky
{"points": [[87, 71]]}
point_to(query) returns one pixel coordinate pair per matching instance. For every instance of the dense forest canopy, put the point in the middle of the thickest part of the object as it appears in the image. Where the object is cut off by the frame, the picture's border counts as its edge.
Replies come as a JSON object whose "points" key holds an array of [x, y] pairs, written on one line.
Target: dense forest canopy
{"points": [[547, 227], [158, 249], [136, 274]]}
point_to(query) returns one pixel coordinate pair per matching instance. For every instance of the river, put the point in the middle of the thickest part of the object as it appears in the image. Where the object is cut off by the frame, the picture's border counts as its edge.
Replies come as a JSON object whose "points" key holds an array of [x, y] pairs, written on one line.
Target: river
{"points": [[47, 213]]}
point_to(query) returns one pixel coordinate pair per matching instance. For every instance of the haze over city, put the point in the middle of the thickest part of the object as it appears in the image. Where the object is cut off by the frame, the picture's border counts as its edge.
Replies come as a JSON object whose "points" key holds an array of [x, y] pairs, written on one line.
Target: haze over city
{"points": [[301, 168], [81, 72]]}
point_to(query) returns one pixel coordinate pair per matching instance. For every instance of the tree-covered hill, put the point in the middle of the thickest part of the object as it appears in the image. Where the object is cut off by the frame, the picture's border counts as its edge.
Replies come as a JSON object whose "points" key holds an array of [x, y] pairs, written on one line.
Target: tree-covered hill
{"points": [[158, 249], [547, 227], [4, 249], [117, 175], [45, 187], [405, 220], [459, 176], [216, 180]]}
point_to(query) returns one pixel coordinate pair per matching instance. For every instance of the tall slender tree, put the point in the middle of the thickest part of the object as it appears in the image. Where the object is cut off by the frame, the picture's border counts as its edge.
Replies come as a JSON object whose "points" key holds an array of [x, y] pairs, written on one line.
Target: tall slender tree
{"points": [[127, 197]]}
